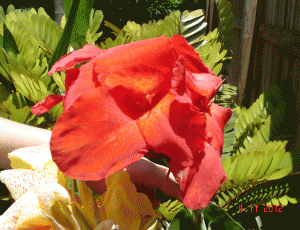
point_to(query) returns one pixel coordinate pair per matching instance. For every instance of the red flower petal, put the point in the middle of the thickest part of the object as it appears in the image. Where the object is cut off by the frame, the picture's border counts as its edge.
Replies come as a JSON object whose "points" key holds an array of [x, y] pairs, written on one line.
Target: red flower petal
{"points": [[202, 87], [143, 78], [71, 76], [175, 129], [78, 82], [67, 61], [154, 52], [200, 182], [193, 62], [138, 88], [93, 139], [217, 117], [120, 104], [45, 105]]}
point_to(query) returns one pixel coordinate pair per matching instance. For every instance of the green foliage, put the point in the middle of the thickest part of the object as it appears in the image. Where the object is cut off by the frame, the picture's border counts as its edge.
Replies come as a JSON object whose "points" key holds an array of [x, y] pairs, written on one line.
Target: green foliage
{"points": [[261, 122], [75, 29], [213, 48], [218, 218], [266, 192], [193, 27], [30, 39], [229, 135], [257, 165], [183, 220], [216, 50], [226, 25], [133, 32], [95, 20], [224, 96], [254, 156], [170, 209]]}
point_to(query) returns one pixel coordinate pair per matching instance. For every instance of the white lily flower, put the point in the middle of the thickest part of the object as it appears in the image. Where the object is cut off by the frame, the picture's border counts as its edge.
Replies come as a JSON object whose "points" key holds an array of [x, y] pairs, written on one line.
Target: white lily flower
{"points": [[37, 185], [44, 201]]}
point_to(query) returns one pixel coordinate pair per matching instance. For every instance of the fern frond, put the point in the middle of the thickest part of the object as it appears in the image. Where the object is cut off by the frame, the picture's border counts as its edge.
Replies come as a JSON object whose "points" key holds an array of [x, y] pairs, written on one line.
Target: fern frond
{"points": [[254, 168], [265, 192], [193, 27]]}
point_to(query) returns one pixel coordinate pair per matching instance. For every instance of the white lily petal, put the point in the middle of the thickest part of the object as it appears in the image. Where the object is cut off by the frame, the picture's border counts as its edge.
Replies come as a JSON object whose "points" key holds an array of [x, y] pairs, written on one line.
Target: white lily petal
{"points": [[17, 181], [6, 223], [30, 157], [55, 199], [50, 193], [49, 173], [25, 212]]}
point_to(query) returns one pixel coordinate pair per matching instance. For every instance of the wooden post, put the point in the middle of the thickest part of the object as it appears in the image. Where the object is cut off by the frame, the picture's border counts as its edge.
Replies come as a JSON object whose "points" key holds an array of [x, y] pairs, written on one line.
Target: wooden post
{"points": [[247, 35]]}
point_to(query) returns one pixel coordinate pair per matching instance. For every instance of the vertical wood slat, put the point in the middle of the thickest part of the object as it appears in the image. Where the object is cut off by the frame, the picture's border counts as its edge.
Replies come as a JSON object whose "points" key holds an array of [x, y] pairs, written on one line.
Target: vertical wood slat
{"points": [[274, 60], [268, 48], [209, 12], [297, 16], [247, 35], [286, 18], [291, 14], [294, 67]]}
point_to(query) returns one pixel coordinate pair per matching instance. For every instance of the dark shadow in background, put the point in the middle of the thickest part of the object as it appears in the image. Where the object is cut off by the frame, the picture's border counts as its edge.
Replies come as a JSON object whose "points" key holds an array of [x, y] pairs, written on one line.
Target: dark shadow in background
{"points": [[118, 12]]}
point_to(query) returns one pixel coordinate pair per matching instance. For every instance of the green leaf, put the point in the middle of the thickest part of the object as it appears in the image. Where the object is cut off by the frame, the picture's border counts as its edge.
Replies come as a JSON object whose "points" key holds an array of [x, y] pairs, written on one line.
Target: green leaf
{"points": [[2, 15], [114, 28], [183, 220], [280, 173], [81, 22], [11, 108], [17, 99], [10, 8], [226, 164], [170, 209], [95, 20], [4, 93], [219, 218], [9, 43], [4, 115], [4, 64], [21, 115], [78, 13], [193, 27], [217, 68]]}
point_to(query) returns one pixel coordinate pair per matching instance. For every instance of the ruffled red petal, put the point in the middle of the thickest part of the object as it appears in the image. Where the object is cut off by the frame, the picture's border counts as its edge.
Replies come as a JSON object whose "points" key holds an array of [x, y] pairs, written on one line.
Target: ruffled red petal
{"points": [[175, 129], [200, 181], [75, 57], [79, 82], [138, 88], [193, 62], [120, 104], [93, 139], [203, 87], [45, 105], [155, 53], [217, 118]]}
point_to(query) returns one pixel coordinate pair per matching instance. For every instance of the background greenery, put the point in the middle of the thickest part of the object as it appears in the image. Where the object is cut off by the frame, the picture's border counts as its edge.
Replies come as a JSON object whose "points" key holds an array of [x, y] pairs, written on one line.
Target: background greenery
{"points": [[31, 41], [119, 12]]}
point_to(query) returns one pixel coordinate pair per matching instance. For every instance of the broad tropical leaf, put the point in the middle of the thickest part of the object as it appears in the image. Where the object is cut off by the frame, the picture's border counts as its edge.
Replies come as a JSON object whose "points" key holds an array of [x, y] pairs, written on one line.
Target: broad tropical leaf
{"points": [[193, 27]]}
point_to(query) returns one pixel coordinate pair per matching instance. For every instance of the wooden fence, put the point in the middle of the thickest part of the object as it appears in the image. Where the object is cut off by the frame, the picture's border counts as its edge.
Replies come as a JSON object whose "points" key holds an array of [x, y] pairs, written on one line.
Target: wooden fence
{"points": [[267, 51]]}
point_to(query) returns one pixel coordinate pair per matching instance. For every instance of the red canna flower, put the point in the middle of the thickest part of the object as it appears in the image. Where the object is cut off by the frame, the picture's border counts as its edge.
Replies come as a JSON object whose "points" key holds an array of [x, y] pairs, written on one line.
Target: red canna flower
{"points": [[152, 94]]}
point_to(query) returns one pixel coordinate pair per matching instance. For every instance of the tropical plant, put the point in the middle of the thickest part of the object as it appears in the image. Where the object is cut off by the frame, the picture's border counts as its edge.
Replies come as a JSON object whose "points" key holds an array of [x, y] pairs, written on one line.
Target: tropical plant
{"points": [[258, 168], [29, 43]]}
